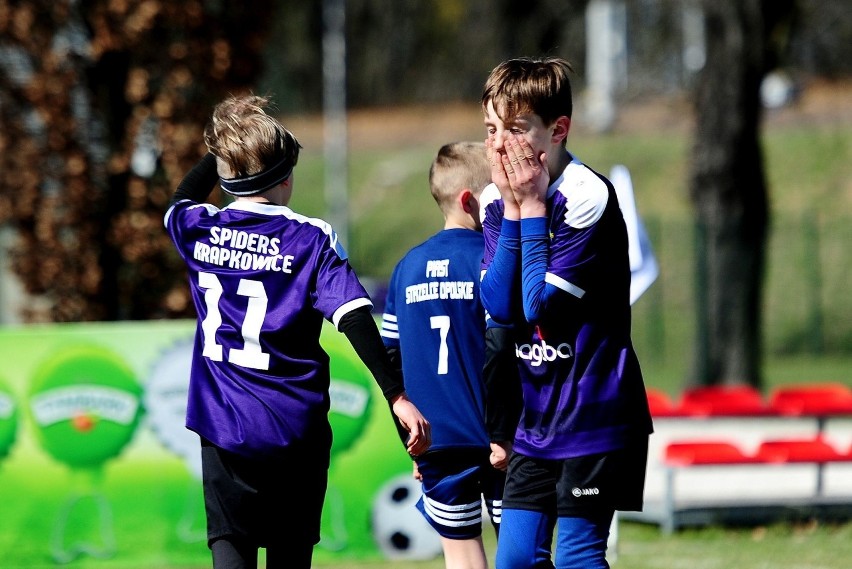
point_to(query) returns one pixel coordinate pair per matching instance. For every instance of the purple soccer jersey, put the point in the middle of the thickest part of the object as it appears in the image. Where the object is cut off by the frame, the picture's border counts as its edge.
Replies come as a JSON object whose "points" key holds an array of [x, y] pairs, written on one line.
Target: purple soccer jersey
{"points": [[262, 279], [582, 384]]}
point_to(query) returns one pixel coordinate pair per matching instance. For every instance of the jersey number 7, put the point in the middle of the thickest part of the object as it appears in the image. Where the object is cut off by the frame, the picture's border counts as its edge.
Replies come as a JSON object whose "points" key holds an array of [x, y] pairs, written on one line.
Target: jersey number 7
{"points": [[442, 324]]}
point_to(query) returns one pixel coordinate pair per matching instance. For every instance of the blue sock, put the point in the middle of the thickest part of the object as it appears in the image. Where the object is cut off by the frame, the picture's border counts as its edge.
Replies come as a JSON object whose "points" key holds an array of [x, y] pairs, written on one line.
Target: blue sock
{"points": [[525, 540], [581, 542]]}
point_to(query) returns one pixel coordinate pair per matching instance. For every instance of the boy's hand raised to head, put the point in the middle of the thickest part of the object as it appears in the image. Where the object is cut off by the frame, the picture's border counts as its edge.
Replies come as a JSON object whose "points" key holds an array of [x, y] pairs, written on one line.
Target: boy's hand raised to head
{"points": [[527, 175], [501, 180], [419, 429]]}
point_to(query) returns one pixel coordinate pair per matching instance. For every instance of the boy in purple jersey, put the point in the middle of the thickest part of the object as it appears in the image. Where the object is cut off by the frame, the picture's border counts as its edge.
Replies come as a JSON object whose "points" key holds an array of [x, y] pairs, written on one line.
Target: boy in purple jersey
{"points": [[434, 329], [557, 271], [263, 278]]}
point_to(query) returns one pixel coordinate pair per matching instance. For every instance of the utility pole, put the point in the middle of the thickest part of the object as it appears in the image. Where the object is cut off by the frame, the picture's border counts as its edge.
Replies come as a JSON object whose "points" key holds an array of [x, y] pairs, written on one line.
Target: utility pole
{"points": [[334, 117]]}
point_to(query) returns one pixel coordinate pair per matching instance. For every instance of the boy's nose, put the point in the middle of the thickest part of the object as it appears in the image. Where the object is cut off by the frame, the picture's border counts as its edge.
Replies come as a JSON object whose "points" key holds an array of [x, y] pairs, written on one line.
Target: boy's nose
{"points": [[500, 139]]}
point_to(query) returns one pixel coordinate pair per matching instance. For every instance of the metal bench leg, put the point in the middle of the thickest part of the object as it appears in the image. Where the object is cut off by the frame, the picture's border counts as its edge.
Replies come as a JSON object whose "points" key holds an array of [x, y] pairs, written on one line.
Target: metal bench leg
{"points": [[668, 522]]}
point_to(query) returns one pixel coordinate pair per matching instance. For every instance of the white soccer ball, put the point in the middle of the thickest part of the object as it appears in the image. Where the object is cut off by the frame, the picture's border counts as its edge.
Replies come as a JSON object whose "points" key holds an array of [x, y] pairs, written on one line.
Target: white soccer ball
{"points": [[399, 528]]}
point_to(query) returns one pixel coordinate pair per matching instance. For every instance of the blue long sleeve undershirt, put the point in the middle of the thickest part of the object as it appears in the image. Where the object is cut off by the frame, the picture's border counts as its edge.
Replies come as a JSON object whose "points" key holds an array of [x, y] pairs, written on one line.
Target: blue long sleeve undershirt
{"points": [[534, 256], [498, 286]]}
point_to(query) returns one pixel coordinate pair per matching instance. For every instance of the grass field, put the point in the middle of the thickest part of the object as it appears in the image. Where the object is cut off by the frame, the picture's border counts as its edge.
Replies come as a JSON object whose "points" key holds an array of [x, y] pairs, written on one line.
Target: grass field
{"points": [[808, 546]]}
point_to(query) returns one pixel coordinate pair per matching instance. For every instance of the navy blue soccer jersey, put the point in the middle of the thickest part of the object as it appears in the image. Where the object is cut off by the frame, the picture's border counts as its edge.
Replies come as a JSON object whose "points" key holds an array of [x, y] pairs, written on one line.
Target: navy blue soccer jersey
{"points": [[434, 315], [262, 278], [582, 385]]}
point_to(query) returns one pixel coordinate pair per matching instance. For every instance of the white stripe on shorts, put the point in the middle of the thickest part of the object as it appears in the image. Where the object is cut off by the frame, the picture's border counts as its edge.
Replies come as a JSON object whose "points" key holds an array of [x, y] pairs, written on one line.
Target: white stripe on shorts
{"points": [[453, 516], [496, 511]]}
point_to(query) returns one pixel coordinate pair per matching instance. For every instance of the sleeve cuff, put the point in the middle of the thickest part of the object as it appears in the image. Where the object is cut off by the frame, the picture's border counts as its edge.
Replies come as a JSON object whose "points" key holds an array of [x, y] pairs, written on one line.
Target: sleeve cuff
{"points": [[511, 228], [534, 226]]}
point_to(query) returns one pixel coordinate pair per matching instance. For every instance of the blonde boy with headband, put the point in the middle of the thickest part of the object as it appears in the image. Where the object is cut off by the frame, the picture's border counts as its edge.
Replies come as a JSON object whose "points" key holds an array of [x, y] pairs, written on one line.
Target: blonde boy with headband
{"points": [[262, 279]]}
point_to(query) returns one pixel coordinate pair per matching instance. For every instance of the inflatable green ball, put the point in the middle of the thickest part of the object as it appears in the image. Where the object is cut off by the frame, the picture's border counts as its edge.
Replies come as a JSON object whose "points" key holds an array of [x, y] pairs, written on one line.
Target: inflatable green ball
{"points": [[350, 392], [85, 405], [8, 420]]}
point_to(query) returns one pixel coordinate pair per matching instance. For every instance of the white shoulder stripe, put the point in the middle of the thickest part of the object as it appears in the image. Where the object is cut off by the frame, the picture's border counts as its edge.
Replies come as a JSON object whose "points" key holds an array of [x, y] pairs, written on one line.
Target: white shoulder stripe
{"points": [[585, 193], [211, 209], [561, 283], [488, 195], [285, 211], [348, 307]]}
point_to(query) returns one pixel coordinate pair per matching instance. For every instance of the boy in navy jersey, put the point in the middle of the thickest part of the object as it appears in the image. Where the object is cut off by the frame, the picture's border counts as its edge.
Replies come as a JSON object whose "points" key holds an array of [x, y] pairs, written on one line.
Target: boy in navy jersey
{"points": [[557, 271], [263, 278], [434, 329]]}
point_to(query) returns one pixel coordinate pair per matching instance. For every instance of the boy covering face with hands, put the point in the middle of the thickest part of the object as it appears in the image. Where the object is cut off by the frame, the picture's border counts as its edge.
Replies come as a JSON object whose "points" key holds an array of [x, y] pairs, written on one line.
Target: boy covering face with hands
{"points": [[556, 271]]}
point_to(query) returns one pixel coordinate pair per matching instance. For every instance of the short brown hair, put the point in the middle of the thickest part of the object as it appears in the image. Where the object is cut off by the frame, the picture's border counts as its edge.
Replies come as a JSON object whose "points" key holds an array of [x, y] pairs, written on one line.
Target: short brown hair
{"points": [[458, 165], [530, 85], [246, 140]]}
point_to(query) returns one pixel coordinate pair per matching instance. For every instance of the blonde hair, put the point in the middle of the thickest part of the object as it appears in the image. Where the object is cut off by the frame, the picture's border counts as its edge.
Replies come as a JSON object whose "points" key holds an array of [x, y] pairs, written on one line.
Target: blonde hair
{"points": [[246, 140], [529, 85], [458, 165]]}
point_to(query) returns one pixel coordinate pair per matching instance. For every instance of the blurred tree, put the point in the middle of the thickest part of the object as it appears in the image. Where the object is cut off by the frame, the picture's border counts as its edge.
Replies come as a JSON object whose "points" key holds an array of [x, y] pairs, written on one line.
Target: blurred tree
{"points": [[412, 51], [404, 52], [102, 104], [728, 186], [822, 38]]}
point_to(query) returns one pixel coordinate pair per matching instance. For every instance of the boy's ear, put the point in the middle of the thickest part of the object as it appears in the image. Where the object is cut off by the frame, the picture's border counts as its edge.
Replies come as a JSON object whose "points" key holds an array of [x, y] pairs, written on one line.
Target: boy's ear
{"points": [[560, 129], [466, 200]]}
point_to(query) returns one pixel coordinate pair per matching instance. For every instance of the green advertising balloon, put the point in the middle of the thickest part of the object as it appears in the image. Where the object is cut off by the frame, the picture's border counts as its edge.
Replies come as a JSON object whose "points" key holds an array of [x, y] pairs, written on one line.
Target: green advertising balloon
{"points": [[8, 420], [85, 405], [349, 392]]}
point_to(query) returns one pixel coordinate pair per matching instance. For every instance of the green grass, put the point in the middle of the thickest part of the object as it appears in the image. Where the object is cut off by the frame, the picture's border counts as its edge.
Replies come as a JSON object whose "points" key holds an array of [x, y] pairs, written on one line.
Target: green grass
{"points": [[811, 546], [805, 546]]}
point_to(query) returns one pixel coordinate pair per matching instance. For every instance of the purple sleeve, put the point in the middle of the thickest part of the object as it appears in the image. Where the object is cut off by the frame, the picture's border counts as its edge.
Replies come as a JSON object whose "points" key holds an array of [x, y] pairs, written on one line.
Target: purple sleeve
{"points": [[338, 289], [498, 283]]}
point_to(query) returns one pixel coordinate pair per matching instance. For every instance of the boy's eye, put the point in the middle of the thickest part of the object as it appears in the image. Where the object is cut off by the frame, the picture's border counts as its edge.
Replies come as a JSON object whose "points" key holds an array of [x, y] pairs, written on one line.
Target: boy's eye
{"points": [[490, 130], [516, 130]]}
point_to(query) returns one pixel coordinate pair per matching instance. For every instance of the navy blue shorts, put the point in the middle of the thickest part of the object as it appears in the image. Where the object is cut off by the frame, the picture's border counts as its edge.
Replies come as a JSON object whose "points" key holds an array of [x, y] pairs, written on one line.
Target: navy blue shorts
{"points": [[455, 482], [268, 502], [581, 486]]}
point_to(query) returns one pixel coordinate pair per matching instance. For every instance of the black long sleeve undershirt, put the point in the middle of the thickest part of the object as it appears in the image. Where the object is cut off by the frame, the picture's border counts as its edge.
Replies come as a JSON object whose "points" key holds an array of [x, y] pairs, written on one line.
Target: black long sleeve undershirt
{"points": [[396, 362], [198, 182], [361, 331]]}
